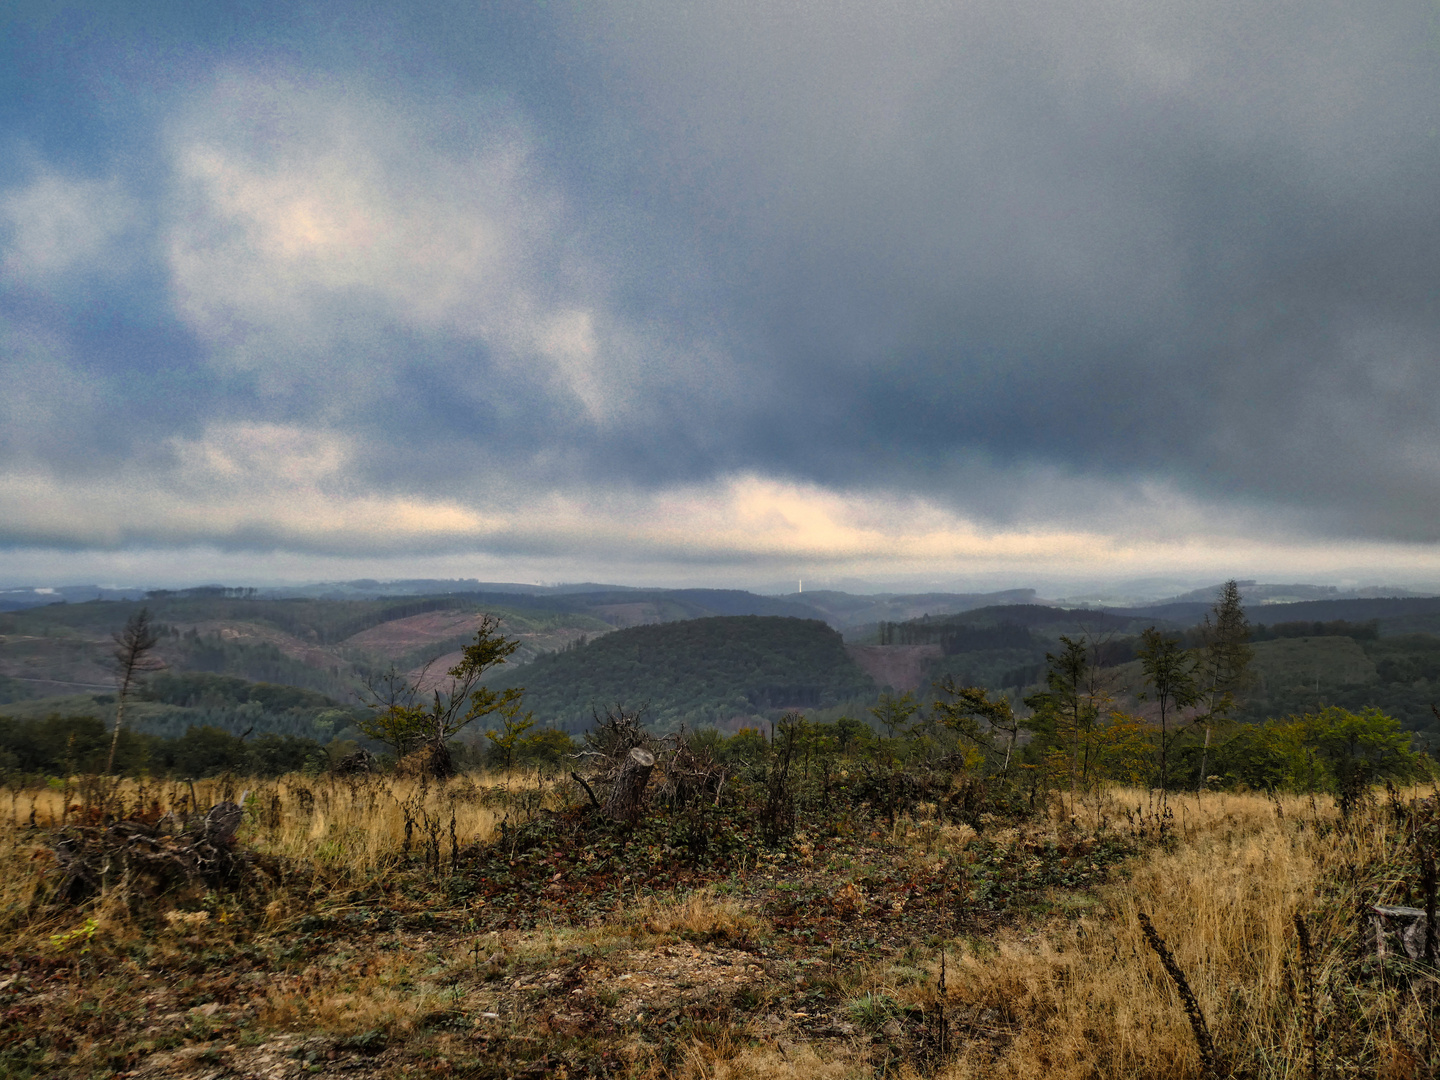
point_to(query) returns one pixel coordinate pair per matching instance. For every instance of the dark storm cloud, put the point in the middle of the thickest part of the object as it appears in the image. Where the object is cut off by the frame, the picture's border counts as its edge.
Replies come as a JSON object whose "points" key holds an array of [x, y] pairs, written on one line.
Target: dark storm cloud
{"points": [[1146, 240]]}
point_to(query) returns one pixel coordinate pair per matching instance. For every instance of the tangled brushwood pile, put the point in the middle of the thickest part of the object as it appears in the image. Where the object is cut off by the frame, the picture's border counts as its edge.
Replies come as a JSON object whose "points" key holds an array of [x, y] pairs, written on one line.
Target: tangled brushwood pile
{"points": [[359, 763], [149, 854]]}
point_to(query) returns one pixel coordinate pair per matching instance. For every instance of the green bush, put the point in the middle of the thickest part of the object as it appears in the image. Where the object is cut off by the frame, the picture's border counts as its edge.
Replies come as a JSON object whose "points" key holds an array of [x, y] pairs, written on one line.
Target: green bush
{"points": [[550, 747]]}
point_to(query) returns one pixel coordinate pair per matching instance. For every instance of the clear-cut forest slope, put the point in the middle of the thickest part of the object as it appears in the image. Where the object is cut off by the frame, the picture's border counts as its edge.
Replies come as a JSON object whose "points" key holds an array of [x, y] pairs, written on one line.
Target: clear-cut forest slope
{"points": [[53, 659]]}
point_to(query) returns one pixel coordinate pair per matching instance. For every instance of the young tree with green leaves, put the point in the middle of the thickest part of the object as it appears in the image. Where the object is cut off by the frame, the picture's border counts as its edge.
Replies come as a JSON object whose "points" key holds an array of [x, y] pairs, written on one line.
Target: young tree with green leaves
{"points": [[1067, 711], [1361, 748], [397, 716], [505, 740], [546, 747], [894, 713], [972, 714], [1332, 749], [1170, 675], [851, 733], [406, 716]]}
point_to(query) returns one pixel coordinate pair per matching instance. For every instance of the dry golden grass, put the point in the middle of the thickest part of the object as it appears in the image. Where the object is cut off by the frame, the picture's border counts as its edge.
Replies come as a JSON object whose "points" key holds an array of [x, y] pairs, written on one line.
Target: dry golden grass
{"points": [[699, 913], [1086, 997], [343, 829], [727, 1061], [355, 822], [1073, 993], [360, 823]]}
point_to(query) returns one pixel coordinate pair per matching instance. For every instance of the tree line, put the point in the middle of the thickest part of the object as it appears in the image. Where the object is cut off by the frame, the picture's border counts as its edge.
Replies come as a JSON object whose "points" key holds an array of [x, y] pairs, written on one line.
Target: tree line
{"points": [[1183, 732], [1076, 733]]}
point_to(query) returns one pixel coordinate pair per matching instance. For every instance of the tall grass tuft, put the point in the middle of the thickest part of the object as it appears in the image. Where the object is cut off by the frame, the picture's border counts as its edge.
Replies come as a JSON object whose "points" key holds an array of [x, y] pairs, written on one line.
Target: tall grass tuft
{"points": [[1310, 1014]]}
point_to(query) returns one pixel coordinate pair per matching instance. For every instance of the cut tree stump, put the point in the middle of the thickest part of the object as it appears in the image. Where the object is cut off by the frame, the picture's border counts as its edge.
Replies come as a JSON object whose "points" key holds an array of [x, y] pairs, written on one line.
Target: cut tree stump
{"points": [[627, 795]]}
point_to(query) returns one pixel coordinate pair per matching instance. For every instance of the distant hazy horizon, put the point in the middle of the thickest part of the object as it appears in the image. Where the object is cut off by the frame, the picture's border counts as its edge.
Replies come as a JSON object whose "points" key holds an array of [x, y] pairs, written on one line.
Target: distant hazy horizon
{"points": [[1114, 593]]}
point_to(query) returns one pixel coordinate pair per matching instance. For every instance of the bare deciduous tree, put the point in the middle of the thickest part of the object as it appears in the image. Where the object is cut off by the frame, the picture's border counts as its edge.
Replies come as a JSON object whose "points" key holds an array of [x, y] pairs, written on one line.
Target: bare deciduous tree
{"points": [[131, 659]]}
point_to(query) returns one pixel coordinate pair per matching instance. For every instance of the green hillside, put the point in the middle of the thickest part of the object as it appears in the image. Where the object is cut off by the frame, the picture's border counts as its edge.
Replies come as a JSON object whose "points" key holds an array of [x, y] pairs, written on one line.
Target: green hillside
{"points": [[1350, 653], [1399, 675], [1003, 647], [169, 703], [228, 653], [699, 672], [696, 656], [1012, 626]]}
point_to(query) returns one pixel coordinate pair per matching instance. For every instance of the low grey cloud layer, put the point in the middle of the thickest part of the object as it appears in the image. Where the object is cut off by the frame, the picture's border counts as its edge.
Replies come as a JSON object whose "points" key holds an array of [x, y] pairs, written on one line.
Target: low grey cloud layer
{"points": [[741, 286]]}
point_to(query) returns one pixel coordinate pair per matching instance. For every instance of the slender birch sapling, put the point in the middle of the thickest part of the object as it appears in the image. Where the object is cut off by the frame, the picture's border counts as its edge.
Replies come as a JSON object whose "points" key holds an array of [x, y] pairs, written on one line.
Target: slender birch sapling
{"points": [[1224, 664], [1170, 675]]}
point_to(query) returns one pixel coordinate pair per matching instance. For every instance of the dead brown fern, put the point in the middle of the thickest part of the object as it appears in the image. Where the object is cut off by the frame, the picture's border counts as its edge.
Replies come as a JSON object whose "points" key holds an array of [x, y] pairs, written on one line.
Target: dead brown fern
{"points": [[1209, 1062]]}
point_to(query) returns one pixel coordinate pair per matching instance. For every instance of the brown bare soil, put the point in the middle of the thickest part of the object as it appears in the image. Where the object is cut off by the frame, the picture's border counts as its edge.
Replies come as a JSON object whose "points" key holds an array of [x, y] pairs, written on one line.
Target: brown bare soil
{"points": [[246, 633], [900, 667], [431, 677]]}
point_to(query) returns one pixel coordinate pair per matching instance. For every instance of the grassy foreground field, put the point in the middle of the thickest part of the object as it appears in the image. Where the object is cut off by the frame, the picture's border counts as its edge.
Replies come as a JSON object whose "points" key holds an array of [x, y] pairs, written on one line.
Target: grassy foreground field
{"points": [[497, 926]]}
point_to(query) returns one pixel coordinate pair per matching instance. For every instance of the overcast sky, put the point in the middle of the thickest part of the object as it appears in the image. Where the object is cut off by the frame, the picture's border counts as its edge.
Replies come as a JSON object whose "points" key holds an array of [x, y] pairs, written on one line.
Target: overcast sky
{"points": [[722, 292]]}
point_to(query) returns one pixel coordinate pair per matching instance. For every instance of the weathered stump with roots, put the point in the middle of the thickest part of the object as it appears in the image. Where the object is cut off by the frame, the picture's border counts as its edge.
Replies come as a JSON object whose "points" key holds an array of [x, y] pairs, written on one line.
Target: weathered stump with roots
{"points": [[148, 858], [626, 798], [1408, 925]]}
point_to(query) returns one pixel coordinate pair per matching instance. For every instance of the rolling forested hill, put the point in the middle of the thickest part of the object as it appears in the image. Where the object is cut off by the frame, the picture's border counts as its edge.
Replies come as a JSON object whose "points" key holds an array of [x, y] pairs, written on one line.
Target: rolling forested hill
{"points": [[702, 672], [237, 659], [54, 643], [168, 705], [1398, 674], [1003, 647]]}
